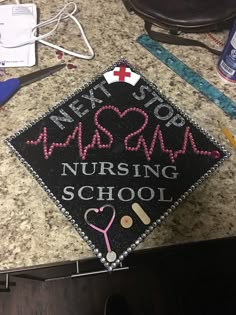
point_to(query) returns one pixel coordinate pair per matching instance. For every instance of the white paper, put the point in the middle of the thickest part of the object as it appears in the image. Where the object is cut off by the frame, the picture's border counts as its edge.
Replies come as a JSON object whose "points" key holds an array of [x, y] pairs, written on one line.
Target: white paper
{"points": [[16, 24]]}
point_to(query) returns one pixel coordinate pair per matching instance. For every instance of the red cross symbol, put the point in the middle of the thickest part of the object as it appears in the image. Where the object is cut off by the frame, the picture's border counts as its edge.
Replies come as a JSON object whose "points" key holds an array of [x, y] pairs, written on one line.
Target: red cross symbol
{"points": [[122, 73]]}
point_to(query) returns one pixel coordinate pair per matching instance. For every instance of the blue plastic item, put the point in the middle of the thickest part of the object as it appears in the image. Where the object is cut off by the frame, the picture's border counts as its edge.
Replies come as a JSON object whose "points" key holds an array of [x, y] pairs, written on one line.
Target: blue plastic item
{"points": [[227, 62], [190, 76], [7, 89]]}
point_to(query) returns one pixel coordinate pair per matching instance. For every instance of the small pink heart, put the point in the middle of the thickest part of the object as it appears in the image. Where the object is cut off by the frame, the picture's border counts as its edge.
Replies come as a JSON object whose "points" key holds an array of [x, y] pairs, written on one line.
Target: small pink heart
{"points": [[97, 210], [104, 232], [122, 115]]}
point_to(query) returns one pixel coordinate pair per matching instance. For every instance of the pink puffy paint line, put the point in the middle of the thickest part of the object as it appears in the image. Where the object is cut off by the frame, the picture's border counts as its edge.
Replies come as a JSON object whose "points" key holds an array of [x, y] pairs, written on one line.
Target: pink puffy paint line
{"points": [[78, 133], [141, 142], [188, 138], [48, 149], [104, 232]]}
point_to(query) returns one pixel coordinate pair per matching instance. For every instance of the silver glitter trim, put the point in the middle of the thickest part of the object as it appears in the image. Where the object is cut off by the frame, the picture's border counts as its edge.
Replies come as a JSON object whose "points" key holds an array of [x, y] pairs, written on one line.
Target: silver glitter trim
{"points": [[121, 257], [163, 217]]}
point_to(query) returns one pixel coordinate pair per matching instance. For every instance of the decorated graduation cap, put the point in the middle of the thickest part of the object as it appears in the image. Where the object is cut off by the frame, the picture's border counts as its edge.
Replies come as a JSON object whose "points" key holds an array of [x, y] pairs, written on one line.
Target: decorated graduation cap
{"points": [[117, 158]]}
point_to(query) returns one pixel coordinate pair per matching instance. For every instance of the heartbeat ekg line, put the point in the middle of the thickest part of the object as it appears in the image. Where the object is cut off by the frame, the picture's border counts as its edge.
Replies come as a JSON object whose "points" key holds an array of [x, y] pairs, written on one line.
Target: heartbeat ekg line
{"points": [[141, 144]]}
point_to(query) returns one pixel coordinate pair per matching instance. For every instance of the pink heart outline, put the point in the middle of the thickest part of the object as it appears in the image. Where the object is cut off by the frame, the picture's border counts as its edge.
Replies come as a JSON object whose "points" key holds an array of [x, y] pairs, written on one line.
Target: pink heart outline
{"points": [[121, 115], [104, 232]]}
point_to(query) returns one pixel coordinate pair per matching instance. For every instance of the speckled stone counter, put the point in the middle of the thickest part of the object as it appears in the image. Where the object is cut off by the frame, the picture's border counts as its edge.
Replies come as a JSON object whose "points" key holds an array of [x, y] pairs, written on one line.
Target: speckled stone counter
{"points": [[32, 229]]}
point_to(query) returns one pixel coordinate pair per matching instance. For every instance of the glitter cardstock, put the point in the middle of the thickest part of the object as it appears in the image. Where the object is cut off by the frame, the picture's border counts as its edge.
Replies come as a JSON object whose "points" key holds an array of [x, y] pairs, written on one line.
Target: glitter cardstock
{"points": [[117, 158]]}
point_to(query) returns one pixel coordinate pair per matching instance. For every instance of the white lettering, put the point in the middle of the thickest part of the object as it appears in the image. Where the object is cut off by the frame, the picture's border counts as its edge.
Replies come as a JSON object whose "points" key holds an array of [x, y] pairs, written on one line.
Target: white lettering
{"points": [[109, 193], [155, 98], [102, 88], [123, 169], [142, 93], [84, 168], [106, 166], [136, 170], [72, 170], [151, 170], [128, 191], [92, 99], [167, 109], [80, 191], [150, 191], [172, 175], [78, 109], [65, 118], [162, 195], [69, 193], [177, 121]]}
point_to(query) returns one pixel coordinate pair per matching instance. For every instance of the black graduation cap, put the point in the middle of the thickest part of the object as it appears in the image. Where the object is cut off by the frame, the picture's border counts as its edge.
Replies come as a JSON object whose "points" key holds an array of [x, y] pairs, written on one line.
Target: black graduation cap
{"points": [[117, 157]]}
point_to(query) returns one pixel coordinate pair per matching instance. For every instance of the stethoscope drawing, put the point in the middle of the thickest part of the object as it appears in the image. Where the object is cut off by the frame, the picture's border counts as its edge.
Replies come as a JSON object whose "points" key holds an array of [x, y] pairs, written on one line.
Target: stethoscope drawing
{"points": [[111, 256]]}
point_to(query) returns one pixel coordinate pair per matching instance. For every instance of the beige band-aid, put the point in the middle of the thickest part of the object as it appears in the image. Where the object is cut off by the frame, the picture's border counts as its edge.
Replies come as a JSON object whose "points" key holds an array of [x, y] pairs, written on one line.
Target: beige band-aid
{"points": [[141, 213]]}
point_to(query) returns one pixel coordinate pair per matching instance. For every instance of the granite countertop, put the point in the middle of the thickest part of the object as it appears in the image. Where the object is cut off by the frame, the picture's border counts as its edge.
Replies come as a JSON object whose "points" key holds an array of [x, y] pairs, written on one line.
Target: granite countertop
{"points": [[32, 230]]}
